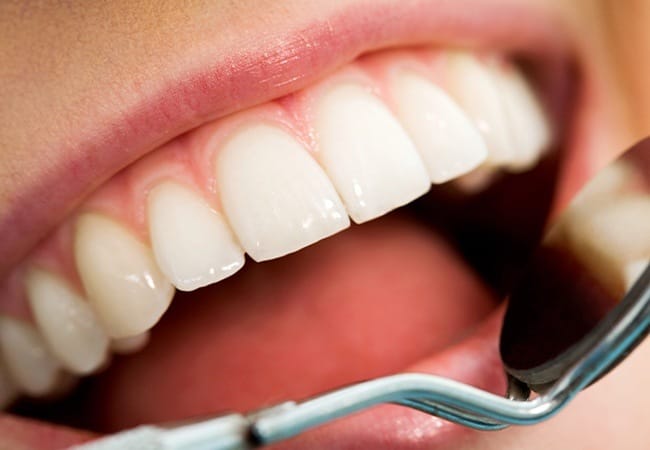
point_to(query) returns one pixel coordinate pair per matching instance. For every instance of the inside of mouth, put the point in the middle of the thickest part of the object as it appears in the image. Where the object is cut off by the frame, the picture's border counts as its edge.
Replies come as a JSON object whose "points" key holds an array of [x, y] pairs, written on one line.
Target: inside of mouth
{"points": [[380, 298], [370, 301]]}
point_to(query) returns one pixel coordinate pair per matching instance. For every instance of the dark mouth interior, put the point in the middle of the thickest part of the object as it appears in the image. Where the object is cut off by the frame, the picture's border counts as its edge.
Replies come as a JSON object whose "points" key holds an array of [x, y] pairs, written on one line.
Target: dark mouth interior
{"points": [[493, 232]]}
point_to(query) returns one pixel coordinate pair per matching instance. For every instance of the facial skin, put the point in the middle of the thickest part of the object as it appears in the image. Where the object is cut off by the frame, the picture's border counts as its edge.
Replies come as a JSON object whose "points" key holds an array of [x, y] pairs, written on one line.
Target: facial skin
{"points": [[67, 70]]}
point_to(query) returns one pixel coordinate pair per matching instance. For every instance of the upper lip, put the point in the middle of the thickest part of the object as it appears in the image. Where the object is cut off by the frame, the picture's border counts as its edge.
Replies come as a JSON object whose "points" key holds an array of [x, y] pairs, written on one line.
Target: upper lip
{"points": [[286, 60]]}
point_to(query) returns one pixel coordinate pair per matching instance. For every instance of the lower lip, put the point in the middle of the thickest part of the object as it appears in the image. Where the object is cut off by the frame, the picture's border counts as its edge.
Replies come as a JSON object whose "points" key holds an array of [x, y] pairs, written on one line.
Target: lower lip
{"points": [[475, 361]]}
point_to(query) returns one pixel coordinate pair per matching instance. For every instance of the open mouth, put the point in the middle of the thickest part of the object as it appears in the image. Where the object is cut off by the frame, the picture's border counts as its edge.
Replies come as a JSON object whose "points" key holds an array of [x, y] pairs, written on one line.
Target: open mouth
{"points": [[384, 209]]}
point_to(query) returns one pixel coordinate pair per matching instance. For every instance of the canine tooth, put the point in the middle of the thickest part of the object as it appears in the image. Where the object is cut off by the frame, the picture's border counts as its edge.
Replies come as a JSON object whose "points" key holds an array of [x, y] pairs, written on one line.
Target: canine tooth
{"points": [[274, 194], [449, 143], [529, 128], [128, 345], [67, 322], [8, 390], [473, 87], [609, 234], [192, 243], [121, 279], [366, 153], [28, 361]]}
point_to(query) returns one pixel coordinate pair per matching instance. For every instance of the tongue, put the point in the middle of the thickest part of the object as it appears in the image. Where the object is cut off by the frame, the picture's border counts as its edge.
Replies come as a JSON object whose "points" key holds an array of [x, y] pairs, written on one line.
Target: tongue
{"points": [[368, 302]]}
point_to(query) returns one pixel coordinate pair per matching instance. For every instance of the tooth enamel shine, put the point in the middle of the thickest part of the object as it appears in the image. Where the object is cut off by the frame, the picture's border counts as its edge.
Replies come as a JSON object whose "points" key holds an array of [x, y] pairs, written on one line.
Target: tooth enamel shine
{"points": [[192, 243], [67, 322], [609, 234], [529, 129], [473, 87], [449, 143], [366, 153], [275, 196], [121, 279], [28, 361]]}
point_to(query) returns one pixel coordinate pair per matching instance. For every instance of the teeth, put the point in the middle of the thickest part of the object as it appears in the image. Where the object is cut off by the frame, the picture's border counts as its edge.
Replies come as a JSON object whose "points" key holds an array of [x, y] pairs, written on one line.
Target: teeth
{"points": [[367, 154], [611, 236], [8, 390], [610, 181], [132, 344], [27, 358], [472, 85], [121, 279], [448, 142], [529, 129], [276, 197], [67, 323], [192, 243]]}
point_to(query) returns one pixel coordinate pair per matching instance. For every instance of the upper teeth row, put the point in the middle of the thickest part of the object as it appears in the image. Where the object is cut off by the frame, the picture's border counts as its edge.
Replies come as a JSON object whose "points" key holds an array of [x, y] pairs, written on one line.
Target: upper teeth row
{"points": [[375, 147]]}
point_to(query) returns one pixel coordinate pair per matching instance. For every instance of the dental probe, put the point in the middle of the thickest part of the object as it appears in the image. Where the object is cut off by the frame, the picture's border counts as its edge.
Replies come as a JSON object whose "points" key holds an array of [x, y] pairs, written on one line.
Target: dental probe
{"points": [[557, 361], [442, 397]]}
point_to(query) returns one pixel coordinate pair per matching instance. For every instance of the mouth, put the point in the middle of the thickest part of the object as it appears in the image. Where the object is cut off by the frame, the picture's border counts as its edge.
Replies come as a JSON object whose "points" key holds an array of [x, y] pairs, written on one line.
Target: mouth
{"points": [[435, 154]]}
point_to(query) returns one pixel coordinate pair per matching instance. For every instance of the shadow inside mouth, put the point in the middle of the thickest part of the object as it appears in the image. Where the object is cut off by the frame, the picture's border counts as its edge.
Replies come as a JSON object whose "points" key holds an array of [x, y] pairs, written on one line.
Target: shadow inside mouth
{"points": [[365, 303]]}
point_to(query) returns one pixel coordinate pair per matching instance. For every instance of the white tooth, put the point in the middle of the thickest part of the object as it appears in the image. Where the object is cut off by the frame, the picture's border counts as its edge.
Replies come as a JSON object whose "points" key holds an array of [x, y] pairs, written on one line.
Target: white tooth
{"points": [[67, 322], [28, 360], [122, 281], [529, 128], [478, 180], [611, 233], [610, 181], [471, 84], [632, 271], [8, 389], [450, 145], [128, 345], [367, 154], [275, 196], [192, 243]]}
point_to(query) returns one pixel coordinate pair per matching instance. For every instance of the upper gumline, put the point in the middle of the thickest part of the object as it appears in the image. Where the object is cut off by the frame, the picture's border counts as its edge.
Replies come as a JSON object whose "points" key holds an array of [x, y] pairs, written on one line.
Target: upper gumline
{"points": [[190, 131], [540, 38]]}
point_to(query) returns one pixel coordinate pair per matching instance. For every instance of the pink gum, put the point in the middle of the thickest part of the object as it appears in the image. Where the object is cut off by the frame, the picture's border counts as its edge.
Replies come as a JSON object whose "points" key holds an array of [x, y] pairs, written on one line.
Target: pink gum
{"points": [[189, 159]]}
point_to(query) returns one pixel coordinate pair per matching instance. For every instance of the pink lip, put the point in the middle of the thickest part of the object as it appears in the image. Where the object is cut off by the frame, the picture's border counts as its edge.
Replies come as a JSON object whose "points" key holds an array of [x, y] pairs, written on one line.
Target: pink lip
{"points": [[283, 61], [474, 361]]}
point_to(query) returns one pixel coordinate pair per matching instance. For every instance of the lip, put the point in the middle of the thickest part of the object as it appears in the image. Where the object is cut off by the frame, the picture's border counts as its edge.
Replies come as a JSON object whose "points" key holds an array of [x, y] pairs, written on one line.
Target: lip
{"points": [[217, 82], [287, 61]]}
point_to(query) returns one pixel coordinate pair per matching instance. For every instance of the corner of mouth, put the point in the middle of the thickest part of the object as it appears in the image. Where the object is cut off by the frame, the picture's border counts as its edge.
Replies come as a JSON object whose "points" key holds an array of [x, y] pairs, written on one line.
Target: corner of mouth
{"points": [[541, 54]]}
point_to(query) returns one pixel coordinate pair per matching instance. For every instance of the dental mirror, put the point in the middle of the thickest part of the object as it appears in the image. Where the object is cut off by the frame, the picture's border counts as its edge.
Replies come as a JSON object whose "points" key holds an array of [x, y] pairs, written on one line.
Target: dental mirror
{"points": [[581, 306], [575, 288]]}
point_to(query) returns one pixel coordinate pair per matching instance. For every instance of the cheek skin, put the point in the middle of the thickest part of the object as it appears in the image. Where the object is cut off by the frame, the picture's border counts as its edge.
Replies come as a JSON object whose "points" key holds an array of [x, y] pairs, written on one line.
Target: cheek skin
{"points": [[611, 414]]}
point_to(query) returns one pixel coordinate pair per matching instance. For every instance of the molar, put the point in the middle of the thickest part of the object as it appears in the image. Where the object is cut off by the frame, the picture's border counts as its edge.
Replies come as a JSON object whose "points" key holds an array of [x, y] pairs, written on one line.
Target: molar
{"points": [[274, 194], [610, 236], [366, 153], [192, 243], [120, 276], [67, 322], [27, 359], [450, 145]]}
